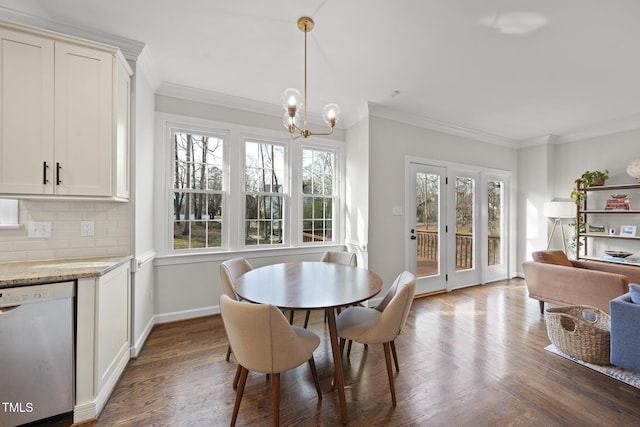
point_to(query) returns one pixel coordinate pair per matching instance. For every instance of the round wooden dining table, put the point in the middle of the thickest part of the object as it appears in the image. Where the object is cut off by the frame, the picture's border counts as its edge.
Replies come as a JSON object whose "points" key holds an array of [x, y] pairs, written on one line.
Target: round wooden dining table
{"points": [[312, 286]]}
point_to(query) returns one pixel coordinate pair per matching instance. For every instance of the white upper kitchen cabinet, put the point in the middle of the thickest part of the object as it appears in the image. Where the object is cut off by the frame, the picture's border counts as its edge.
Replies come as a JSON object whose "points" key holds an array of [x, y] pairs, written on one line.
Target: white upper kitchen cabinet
{"points": [[64, 112]]}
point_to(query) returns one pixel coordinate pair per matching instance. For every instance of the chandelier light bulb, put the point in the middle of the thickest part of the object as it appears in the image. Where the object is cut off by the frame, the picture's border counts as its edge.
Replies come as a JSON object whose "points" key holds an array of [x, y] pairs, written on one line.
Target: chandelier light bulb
{"points": [[331, 114], [291, 123], [292, 98]]}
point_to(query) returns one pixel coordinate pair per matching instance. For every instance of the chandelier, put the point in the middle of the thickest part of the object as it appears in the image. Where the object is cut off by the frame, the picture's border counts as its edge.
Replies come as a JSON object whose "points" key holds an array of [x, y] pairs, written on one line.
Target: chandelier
{"points": [[293, 101]]}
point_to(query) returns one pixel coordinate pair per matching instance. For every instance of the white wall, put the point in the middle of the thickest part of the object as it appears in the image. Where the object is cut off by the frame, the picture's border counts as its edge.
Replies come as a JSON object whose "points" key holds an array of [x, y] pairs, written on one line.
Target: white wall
{"points": [[533, 191], [390, 142], [357, 190], [142, 153]]}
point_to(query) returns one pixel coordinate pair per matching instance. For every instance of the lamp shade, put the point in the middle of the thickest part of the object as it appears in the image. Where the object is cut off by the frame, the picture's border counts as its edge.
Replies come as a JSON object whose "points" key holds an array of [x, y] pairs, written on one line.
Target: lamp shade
{"points": [[559, 209]]}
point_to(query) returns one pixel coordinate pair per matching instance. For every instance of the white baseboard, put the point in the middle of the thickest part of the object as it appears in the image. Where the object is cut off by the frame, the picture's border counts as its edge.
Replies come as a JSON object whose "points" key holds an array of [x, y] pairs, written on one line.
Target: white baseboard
{"points": [[84, 412], [186, 314], [91, 410], [137, 347]]}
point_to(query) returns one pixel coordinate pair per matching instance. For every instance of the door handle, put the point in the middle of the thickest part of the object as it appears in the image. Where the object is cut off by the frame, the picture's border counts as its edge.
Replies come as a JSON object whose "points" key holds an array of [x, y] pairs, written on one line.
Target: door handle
{"points": [[413, 237]]}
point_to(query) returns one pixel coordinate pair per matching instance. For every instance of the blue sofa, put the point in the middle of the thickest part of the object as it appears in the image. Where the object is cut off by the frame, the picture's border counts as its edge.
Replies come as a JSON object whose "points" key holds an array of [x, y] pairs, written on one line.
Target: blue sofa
{"points": [[625, 333]]}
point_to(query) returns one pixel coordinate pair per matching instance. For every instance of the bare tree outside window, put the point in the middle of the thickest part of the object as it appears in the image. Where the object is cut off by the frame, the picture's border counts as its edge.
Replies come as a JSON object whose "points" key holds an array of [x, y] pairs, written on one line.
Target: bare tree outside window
{"points": [[318, 186], [465, 193], [198, 191], [494, 220], [264, 193]]}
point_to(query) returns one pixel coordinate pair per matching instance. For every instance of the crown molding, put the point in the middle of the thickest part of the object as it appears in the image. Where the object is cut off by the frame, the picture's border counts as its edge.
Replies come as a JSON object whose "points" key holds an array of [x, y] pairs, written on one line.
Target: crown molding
{"points": [[146, 64], [131, 49], [631, 122], [381, 111]]}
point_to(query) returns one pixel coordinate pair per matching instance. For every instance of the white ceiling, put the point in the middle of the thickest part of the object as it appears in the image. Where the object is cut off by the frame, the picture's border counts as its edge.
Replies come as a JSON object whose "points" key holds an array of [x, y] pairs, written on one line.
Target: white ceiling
{"points": [[509, 71]]}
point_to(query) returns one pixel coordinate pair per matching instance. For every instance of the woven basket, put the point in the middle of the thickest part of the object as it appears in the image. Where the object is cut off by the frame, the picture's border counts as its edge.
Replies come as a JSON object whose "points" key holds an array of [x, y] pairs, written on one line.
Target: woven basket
{"points": [[580, 331]]}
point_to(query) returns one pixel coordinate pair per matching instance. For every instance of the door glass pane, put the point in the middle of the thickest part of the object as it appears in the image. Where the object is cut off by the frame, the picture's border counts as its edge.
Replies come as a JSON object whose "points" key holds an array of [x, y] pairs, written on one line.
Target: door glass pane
{"points": [[465, 188], [494, 218], [427, 224]]}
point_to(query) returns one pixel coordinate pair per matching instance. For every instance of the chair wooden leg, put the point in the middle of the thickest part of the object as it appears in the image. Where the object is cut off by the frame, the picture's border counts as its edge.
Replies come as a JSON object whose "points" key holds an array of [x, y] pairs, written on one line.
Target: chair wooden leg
{"points": [[239, 392], [314, 373], [306, 318], [275, 393], [541, 307], [291, 317], [228, 352], [236, 378], [395, 355], [387, 357]]}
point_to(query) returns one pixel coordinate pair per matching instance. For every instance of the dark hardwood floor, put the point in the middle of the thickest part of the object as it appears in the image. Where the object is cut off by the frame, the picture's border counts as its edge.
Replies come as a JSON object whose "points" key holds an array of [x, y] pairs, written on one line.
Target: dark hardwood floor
{"points": [[471, 357]]}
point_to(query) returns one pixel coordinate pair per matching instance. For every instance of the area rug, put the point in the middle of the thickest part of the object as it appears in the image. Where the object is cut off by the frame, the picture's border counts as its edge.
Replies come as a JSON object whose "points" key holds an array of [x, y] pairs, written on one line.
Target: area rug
{"points": [[619, 374]]}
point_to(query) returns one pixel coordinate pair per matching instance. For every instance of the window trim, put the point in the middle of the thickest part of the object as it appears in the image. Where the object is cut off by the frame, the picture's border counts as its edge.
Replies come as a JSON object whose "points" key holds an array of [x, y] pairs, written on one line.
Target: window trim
{"points": [[233, 181]]}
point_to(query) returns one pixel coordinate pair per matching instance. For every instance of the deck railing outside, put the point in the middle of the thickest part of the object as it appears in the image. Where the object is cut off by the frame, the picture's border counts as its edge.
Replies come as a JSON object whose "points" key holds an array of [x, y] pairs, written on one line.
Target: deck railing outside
{"points": [[427, 251]]}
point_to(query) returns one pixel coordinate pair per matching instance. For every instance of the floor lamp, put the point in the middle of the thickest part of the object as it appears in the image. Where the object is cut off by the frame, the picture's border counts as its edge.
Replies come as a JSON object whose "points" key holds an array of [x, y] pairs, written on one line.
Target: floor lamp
{"points": [[558, 210]]}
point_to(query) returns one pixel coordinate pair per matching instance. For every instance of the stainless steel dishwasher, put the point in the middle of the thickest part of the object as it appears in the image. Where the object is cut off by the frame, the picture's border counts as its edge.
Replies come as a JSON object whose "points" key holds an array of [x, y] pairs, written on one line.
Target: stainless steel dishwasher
{"points": [[36, 352]]}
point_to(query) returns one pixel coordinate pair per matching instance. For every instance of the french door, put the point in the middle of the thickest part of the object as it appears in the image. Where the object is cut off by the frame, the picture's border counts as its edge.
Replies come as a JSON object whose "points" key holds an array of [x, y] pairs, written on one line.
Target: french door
{"points": [[455, 219]]}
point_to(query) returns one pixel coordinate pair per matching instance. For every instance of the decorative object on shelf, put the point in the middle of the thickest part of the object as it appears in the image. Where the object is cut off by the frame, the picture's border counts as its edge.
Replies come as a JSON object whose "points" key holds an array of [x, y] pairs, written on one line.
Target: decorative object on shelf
{"points": [[627, 230], [588, 179], [292, 100], [618, 202], [558, 210], [596, 228], [633, 169], [618, 254]]}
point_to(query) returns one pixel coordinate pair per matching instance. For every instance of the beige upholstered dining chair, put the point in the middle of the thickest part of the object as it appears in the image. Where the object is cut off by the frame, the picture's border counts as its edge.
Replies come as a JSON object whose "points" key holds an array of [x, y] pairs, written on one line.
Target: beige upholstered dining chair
{"points": [[230, 270], [382, 324], [340, 257], [264, 341], [336, 257]]}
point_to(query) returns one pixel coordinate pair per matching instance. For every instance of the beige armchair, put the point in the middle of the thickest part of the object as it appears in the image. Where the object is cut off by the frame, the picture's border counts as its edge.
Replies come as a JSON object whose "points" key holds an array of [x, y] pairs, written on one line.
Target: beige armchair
{"points": [[381, 325], [230, 270], [552, 277], [263, 341]]}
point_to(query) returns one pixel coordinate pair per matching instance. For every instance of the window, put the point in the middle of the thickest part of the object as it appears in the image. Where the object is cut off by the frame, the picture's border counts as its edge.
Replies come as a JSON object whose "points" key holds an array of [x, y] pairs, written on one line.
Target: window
{"points": [[197, 191], [264, 199], [227, 187], [318, 176]]}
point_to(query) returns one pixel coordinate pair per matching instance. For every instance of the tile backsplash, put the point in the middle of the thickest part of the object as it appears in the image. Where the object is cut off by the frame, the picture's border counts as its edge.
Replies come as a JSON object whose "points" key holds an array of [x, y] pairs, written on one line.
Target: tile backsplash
{"points": [[111, 231]]}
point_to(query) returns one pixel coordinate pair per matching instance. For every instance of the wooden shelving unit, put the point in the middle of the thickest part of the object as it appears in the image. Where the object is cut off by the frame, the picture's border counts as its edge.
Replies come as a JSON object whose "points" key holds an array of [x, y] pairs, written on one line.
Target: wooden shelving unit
{"points": [[583, 213]]}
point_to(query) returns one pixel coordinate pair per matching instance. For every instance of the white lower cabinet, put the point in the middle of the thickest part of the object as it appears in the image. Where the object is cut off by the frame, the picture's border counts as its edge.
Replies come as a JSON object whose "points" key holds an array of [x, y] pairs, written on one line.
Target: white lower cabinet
{"points": [[103, 339]]}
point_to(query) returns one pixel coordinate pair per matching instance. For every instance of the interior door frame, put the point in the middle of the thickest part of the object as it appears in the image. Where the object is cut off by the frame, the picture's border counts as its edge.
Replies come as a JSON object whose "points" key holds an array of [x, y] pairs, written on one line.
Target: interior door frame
{"points": [[486, 273]]}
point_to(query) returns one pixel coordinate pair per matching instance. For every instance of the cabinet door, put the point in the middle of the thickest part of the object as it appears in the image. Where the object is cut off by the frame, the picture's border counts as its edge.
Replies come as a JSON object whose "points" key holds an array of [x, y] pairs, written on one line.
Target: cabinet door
{"points": [[83, 123], [26, 113]]}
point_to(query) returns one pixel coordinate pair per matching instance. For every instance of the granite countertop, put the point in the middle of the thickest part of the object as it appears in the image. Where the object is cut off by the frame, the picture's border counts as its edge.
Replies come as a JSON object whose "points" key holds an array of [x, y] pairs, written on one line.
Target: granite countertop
{"points": [[31, 273]]}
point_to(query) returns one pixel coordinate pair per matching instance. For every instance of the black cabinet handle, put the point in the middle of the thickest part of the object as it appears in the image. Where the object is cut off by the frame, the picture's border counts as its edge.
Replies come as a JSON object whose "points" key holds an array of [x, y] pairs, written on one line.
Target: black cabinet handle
{"points": [[44, 173], [413, 237], [58, 182]]}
